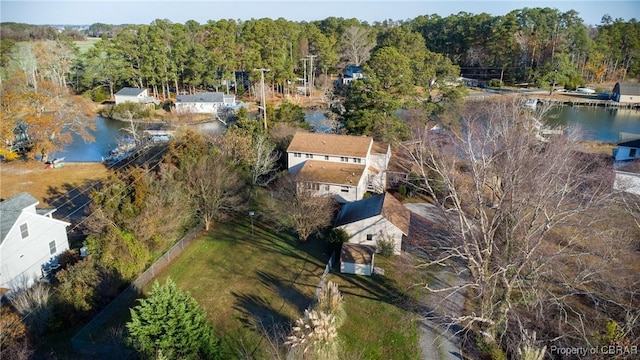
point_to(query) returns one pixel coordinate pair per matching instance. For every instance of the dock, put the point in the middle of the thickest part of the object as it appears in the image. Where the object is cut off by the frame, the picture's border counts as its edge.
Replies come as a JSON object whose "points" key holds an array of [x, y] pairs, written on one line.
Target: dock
{"points": [[589, 102]]}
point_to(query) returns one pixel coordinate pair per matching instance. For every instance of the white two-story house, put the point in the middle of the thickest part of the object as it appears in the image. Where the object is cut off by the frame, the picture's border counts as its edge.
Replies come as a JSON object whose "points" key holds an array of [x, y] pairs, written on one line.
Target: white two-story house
{"points": [[30, 241], [343, 165]]}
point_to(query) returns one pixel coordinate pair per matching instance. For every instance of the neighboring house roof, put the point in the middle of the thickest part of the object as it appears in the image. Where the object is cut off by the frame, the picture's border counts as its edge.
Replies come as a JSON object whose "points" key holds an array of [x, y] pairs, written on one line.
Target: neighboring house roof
{"points": [[379, 148], [207, 97], [627, 88], [11, 209], [330, 144], [331, 173], [631, 144], [357, 254], [382, 204], [127, 91]]}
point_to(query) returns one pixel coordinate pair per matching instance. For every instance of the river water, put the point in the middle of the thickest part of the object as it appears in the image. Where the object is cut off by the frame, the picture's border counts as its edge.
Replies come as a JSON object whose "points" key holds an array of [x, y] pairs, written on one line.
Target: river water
{"points": [[596, 123]]}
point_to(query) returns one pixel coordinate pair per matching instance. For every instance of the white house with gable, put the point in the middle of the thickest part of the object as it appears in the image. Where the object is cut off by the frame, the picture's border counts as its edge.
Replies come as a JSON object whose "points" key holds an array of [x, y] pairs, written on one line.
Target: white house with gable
{"points": [[30, 241], [343, 165], [379, 217], [134, 95]]}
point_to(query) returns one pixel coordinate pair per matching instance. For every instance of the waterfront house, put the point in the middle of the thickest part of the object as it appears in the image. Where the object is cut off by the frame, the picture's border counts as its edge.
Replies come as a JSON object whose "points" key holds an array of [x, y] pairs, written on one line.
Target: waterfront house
{"points": [[30, 241], [204, 103], [628, 150], [134, 95], [343, 165], [626, 93], [378, 218]]}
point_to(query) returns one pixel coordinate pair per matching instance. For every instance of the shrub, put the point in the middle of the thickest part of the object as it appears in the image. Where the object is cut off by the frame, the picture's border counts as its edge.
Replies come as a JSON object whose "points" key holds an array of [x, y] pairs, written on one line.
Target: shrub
{"points": [[495, 83], [386, 245]]}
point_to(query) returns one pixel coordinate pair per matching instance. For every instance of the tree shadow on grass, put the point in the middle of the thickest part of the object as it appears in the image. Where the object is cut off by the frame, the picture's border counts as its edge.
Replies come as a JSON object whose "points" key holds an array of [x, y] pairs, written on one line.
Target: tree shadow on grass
{"points": [[286, 290], [257, 313]]}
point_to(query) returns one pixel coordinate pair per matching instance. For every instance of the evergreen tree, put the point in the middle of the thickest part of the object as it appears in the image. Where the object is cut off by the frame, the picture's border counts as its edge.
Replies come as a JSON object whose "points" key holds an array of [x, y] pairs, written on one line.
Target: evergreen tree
{"points": [[171, 324]]}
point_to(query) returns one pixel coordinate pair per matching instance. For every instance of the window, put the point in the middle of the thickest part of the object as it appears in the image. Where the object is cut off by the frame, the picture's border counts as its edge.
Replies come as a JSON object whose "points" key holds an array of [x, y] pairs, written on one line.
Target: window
{"points": [[344, 159], [369, 237], [297, 155], [312, 186], [325, 187], [24, 230], [52, 247], [326, 157], [632, 152], [344, 189], [308, 156], [357, 160]]}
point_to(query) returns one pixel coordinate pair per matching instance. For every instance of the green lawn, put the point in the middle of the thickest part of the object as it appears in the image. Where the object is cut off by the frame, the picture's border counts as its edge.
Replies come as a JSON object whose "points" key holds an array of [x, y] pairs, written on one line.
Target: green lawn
{"points": [[85, 45], [257, 284], [380, 323]]}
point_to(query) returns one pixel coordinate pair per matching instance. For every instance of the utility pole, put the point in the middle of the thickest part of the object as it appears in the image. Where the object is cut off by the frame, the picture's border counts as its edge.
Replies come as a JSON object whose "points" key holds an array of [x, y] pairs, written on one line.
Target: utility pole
{"points": [[311, 84], [263, 101], [304, 77]]}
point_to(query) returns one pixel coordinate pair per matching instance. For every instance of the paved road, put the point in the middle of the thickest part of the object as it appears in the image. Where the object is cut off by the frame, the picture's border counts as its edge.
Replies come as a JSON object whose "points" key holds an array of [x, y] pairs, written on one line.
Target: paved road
{"points": [[437, 340]]}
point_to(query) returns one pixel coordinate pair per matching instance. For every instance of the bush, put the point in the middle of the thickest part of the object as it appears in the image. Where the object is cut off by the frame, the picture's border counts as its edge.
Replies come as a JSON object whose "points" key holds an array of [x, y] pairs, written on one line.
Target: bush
{"points": [[100, 94], [495, 83], [126, 111], [386, 245]]}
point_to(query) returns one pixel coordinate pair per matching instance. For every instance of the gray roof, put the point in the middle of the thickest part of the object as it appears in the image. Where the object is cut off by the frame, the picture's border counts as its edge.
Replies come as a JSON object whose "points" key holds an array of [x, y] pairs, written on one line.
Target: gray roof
{"points": [[631, 144], [130, 91], [214, 97], [11, 209], [360, 210], [629, 88]]}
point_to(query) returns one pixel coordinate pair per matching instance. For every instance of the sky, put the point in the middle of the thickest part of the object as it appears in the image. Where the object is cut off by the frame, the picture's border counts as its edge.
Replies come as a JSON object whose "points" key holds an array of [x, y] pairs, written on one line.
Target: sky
{"points": [[52, 12]]}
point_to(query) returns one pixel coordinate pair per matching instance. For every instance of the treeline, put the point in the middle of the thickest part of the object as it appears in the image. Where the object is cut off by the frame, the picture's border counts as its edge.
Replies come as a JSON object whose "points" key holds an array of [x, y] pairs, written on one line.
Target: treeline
{"points": [[535, 45]]}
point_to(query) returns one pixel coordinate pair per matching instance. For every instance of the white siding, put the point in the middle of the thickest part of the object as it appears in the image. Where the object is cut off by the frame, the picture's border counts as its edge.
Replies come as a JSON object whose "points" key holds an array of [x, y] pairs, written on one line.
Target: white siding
{"points": [[22, 259], [376, 226], [357, 269], [197, 107], [628, 182]]}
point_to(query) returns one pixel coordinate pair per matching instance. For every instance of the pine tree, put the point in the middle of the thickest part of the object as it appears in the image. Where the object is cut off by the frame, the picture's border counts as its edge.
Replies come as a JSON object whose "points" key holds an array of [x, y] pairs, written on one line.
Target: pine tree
{"points": [[171, 324]]}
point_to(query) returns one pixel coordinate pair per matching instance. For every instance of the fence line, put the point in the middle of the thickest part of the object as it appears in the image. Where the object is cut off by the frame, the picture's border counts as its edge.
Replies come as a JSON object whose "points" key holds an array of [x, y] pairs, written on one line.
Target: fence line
{"points": [[82, 342], [323, 278]]}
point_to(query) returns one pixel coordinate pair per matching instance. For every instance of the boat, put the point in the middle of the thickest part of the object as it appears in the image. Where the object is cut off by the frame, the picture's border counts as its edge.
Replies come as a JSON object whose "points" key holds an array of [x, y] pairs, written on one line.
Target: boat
{"points": [[55, 163]]}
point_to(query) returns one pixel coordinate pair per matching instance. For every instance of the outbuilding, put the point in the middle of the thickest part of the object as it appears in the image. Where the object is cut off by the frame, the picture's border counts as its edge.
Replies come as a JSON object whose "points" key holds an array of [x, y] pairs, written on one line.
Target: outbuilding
{"points": [[357, 259], [626, 93]]}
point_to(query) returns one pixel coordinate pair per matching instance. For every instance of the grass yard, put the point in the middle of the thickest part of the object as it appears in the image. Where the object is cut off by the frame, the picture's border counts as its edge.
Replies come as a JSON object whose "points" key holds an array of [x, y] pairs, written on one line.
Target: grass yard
{"points": [[380, 322], [86, 44]]}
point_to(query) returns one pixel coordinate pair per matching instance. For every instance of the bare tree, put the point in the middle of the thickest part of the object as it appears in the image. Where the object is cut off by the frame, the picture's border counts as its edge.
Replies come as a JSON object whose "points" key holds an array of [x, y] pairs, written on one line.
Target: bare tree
{"points": [[264, 161], [304, 210], [510, 193], [357, 43], [216, 189]]}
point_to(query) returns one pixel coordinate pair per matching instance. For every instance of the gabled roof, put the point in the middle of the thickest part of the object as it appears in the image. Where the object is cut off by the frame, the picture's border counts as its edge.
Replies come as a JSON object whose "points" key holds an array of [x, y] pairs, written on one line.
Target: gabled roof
{"points": [[357, 254], [207, 97], [127, 91], [327, 172], [330, 144], [627, 88], [382, 204], [11, 209], [631, 144]]}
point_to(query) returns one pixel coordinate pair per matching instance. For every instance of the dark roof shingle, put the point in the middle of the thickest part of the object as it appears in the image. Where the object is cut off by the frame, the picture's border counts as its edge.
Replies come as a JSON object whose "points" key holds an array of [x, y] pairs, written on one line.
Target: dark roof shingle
{"points": [[11, 209]]}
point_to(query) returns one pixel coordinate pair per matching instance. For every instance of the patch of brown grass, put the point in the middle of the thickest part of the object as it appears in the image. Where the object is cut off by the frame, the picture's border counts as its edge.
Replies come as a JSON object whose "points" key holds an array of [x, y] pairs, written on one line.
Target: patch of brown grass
{"points": [[34, 178]]}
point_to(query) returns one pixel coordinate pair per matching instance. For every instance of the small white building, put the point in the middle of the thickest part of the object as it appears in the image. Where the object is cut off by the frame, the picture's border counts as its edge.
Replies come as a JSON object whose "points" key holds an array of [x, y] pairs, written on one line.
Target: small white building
{"points": [[628, 177], [377, 218], [628, 150], [626, 93], [134, 95], [204, 103], [343, 165], [357, 259], [30, 241]]}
